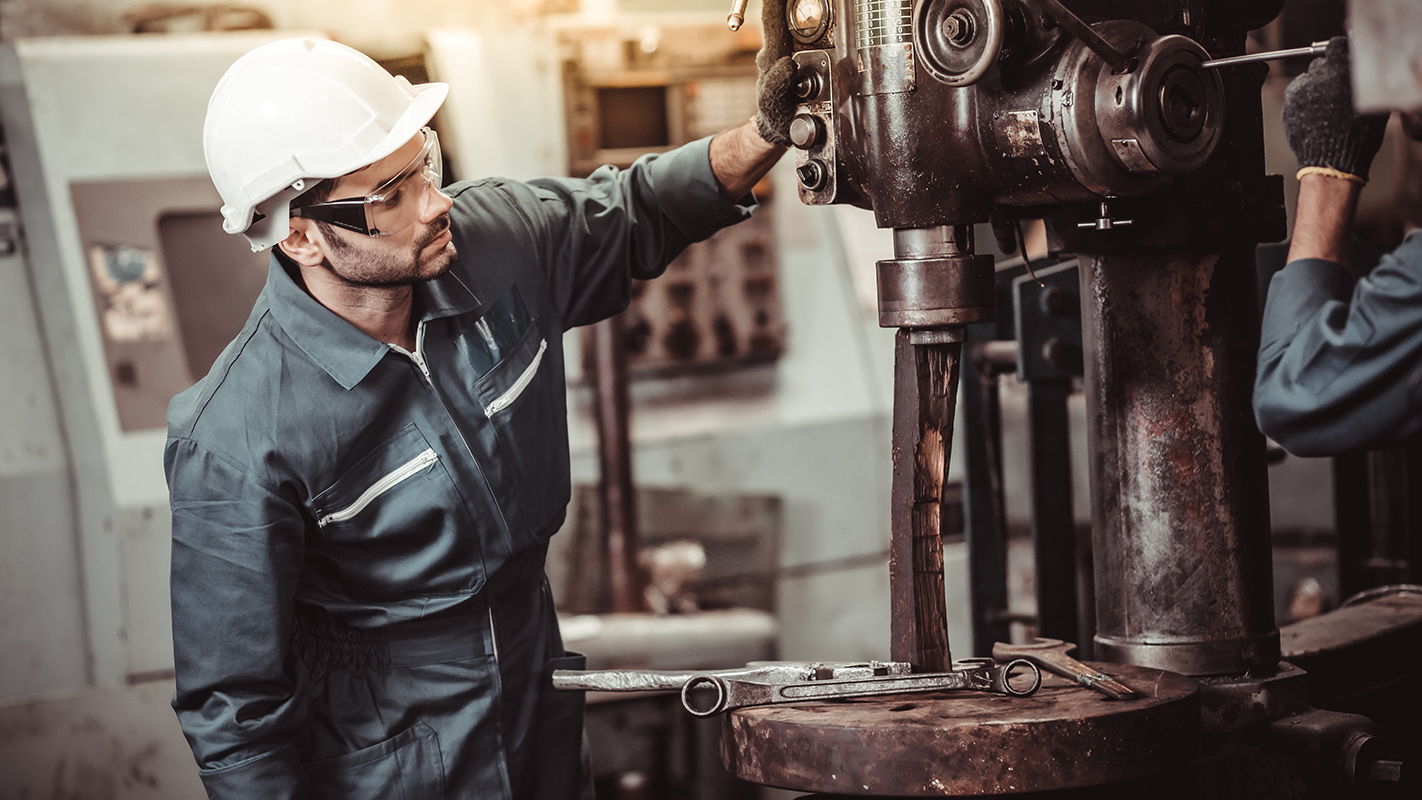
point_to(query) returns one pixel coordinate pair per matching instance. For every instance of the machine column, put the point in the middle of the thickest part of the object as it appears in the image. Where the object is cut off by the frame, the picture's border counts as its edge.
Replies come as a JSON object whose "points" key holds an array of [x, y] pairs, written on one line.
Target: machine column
{"points": [[1179, 488]]}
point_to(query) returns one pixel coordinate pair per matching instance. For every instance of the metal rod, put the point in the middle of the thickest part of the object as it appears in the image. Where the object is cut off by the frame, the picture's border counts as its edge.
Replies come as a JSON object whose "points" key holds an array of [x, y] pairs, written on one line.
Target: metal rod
{"points": [[925, 395], [1119, 62], [984, 515], [1315, 49], [737, 17], [619, 512], [1053, 524]]}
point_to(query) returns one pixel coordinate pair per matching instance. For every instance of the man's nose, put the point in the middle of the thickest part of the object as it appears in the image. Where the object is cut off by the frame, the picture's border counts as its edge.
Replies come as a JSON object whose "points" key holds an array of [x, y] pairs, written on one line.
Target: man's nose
{"points": [[436, 205]]}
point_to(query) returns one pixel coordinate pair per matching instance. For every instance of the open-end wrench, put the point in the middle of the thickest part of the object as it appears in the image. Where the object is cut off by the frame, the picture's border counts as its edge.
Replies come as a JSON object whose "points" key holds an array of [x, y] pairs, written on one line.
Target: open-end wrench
{"points": [[1051, 655], [650, 680], [729, 693]]}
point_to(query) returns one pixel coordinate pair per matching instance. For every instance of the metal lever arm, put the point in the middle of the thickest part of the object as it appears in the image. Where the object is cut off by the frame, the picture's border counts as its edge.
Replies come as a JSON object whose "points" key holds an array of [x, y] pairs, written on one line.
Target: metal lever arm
{"points": [[737, 17], [1072, 24], [1315, 49], [731, 693]]}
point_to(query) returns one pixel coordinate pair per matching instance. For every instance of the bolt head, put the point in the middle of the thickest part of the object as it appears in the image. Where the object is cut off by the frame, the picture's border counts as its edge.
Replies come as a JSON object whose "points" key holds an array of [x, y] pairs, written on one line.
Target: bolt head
{"points": [[959, 28]]}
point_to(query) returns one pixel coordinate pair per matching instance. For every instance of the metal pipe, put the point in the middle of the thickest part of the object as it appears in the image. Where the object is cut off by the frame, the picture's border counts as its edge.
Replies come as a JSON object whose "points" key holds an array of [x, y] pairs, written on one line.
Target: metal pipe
{"points": [[1313, 50], [984, 511], [619, 510], [737, 17], [1053, 525], [1180, 511]]}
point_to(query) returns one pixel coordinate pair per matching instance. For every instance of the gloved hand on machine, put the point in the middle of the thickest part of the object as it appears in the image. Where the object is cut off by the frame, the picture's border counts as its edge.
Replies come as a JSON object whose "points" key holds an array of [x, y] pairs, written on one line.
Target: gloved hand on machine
{"points": [[775, 87], [1327, 135]]}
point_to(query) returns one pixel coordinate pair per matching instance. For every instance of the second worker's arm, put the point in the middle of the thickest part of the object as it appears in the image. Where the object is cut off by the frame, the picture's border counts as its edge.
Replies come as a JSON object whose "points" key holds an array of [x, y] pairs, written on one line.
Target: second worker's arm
{"points": [[1336, 359]]}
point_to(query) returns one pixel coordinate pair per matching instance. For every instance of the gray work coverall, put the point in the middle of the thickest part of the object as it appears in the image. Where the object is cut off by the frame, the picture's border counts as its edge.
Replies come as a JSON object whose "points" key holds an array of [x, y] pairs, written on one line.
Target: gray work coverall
{"points": [[359, 603], [1340, 363]]}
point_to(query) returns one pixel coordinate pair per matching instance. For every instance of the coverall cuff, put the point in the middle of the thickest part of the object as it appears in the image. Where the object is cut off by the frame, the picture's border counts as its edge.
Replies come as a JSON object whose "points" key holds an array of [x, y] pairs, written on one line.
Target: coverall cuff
{"points": [[1297, 291], [688, 193], [277, 775]]}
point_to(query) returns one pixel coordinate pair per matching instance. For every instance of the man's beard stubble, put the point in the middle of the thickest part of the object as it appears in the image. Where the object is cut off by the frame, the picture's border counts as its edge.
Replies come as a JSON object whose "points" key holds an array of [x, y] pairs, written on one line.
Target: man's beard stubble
{"points": [[383, 268]]}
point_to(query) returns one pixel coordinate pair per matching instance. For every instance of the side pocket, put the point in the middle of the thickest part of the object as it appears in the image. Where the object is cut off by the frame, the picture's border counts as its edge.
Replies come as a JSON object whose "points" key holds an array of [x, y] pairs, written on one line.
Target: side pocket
{"points": [[564, 769], [407, 766]]}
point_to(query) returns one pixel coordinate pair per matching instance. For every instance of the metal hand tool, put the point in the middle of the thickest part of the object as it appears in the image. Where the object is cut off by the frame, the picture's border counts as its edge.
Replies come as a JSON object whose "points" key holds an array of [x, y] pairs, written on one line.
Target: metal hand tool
{"points": [[730, 693], [1051, 654], [1315, 49], [650, 680], [737, 17]]}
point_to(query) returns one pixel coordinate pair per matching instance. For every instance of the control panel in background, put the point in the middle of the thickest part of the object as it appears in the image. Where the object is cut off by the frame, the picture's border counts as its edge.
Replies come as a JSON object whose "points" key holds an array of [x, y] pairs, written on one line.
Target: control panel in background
{"points": [[631, 89]]}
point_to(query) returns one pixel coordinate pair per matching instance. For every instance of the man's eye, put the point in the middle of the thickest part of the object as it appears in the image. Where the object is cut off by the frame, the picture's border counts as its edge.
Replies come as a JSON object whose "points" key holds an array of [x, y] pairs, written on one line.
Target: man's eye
{"points": [[392, 199]]}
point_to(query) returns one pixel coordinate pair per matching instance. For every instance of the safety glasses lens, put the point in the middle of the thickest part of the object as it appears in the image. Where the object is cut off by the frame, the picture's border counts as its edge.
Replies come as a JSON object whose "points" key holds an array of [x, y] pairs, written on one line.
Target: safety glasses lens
{"points": [[396, 204]]}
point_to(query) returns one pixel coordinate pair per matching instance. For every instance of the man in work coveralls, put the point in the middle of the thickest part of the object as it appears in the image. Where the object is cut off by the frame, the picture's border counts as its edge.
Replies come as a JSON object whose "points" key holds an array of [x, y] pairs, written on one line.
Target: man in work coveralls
{"points": [[364, 485], [1340, 360]]}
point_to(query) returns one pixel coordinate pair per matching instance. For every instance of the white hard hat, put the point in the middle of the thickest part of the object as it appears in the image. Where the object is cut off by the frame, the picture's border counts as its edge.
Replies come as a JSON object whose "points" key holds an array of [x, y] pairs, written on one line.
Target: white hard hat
{"points": [[299, 110]]}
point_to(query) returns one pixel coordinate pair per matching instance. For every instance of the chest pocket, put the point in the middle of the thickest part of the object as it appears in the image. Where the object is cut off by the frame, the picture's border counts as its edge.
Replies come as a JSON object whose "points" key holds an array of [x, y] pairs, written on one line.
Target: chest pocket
{"points": [[396, 526], [523, 397]]}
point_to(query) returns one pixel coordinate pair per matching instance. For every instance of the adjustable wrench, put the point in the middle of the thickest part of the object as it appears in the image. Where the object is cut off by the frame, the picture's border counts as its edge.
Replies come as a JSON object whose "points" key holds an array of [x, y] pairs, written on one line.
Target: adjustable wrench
{"points": [[1051, 654], [730, 693], [649, 680]]}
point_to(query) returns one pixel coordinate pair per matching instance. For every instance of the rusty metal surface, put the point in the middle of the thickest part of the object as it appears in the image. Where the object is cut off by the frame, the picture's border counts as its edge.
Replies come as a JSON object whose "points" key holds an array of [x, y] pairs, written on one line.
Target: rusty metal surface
{"points": [[938, 745], [1381, 634], [925, 394], [1180, 515], [1232, 702]]}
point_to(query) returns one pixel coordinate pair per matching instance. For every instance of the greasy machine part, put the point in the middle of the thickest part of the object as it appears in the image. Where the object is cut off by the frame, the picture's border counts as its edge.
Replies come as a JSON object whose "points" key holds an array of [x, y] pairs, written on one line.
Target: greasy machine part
{"points": [[1180, 527], [925, 395], [934, 113]]}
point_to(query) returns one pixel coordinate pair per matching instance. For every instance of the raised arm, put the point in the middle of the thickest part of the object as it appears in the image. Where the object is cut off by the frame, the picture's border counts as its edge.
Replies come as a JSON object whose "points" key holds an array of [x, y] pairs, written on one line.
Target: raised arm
{"points": [[740, 158], [1323, 223]]}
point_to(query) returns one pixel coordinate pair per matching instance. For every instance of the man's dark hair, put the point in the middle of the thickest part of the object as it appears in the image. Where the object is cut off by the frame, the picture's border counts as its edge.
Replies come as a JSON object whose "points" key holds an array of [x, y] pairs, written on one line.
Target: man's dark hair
{"points": [[319, 193]]}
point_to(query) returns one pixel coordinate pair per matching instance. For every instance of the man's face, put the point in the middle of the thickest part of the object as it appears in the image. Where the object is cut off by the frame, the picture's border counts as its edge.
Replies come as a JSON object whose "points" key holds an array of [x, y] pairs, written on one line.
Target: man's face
{"points": [[421, 251]]}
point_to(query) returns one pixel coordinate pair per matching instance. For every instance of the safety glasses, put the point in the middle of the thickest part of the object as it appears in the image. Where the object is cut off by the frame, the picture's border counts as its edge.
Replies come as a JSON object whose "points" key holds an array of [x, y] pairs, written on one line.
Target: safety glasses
{"points": [[394, 205]]}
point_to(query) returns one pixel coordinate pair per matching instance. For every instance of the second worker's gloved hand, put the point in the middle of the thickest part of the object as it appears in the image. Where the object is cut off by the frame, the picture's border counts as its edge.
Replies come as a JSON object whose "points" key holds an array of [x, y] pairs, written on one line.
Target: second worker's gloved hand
{"points": [[1324, 129], [775, 87]]}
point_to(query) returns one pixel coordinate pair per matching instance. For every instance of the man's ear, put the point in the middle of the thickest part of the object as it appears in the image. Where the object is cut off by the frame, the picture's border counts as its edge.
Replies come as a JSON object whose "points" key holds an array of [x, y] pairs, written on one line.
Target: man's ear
{"points": [[303, 243]]}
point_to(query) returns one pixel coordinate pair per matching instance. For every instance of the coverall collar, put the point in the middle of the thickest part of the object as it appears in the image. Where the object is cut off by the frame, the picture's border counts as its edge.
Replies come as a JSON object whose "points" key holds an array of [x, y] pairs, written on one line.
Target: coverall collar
{"points": [[344, 351]]}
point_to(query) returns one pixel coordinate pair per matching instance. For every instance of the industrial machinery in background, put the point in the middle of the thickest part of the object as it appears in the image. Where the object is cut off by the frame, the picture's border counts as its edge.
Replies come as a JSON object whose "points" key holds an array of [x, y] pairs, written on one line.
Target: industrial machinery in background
{"points": [[1100, 120], [632, 89]]}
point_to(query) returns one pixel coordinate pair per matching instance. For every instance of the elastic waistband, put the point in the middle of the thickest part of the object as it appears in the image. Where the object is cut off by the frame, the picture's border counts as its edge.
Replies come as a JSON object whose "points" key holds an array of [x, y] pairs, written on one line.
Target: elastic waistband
{"points": [[323, 642]]}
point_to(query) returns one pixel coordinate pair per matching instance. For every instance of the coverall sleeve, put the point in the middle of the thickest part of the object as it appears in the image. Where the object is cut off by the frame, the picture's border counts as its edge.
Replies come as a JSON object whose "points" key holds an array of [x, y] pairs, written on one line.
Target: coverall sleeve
{"points": [[1340, 366], [237, 552], [597, 227]]}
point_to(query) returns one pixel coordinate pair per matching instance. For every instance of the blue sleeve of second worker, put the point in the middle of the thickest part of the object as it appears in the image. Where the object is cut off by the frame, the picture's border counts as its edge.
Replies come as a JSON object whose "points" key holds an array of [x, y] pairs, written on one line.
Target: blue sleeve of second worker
{"points": [[1340, 367]]}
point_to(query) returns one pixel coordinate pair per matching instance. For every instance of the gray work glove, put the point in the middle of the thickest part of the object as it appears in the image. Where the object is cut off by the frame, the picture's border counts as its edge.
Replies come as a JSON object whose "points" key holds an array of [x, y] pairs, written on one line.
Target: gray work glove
{"points": [[775, 86], [1324, 130]]}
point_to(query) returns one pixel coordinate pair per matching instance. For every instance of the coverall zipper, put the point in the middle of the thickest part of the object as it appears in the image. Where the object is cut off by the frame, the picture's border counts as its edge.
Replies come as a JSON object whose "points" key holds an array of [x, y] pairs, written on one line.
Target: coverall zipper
{"points": [[419, 360], [385, 484], [511, 394]]}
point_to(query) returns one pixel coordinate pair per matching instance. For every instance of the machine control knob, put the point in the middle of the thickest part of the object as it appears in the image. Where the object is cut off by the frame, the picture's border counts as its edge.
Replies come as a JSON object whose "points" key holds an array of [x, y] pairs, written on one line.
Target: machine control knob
{"points": [[808, 85], [813, 175], [806, 131]]}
